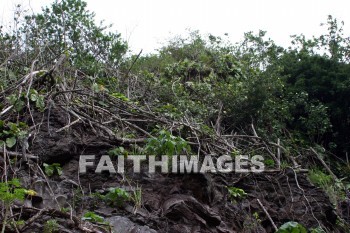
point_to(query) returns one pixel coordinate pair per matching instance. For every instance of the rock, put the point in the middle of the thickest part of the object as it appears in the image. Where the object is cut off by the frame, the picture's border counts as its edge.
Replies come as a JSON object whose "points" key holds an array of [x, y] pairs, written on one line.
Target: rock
{"points": [[125, 225], [106, 211]]}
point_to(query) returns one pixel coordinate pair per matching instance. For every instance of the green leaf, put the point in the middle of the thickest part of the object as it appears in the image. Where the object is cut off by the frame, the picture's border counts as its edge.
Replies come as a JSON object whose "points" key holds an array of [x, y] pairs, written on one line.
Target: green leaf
{"points": [[40, 103], [10, 142], [33, 97], [19, 105], [49, 169], [59, 170], [91, 216], [292, 227]]}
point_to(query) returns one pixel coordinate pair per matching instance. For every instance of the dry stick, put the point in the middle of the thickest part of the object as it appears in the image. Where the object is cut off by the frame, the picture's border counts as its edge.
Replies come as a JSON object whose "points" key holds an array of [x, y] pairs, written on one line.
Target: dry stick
{"points": [[24, 158], [6, 110], [269, 151], [18, 86], [240, 136], [218, 120], [15, 154], [267, 214], [14, 225], [324, 164], [278, 154], [254, 132], [54, 212], [120, 119], [33, 219], [4, 221], [83, 116], [307, 200], [19, 83], [48, 185], [5, 168], [69, 125], [295, 164], [198, 141], [127, 74]]}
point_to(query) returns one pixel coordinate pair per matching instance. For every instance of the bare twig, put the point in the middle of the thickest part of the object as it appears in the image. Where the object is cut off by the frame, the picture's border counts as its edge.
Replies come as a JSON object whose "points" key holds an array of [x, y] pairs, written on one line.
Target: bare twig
{"points": [[267, 214], [67, 126]]}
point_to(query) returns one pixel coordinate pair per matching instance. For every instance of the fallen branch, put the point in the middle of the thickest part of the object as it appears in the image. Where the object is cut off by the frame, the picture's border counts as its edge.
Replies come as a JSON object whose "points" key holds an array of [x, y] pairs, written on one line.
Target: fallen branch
{"points": [[324, 164], [267, 214], [69, 125], [15, 154]]}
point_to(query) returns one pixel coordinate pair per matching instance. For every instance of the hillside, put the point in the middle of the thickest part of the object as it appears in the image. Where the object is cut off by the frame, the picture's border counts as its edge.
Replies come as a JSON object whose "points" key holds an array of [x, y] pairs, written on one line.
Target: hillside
{"points": [[252, 137]]}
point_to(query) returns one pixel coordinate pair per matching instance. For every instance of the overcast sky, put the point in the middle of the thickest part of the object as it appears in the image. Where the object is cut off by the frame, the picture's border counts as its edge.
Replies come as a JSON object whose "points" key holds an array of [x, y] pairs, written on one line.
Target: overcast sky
{"points": [[145, 24]]}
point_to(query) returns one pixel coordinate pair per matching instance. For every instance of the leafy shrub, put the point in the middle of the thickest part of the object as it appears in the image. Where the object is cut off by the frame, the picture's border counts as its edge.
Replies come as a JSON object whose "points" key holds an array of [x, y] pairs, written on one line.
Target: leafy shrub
{"points": [[68, 27], [334, 189], [10, 132], [319, 178], [51, 226], [236, 193], [51, 169], [166, 144], [19, 102], [117, 196], [269, 162], [11, 191]]}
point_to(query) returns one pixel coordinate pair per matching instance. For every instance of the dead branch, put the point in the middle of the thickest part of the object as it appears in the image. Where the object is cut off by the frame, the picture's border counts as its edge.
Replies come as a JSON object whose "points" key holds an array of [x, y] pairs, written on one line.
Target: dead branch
{"points": [[324, 164], [267, 214]]}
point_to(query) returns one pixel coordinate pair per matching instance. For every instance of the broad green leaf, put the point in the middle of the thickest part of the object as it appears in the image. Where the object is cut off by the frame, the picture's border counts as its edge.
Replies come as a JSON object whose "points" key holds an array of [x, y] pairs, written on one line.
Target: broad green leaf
{"points": [[292, 227], [10, 142]]}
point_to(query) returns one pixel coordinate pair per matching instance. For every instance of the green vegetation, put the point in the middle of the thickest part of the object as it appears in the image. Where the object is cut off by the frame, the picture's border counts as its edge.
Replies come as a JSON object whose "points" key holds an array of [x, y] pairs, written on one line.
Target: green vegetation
{"points": [[236, 194], [51, 169], [93, 217], [334, 188], [10, 133], [118, 151], [136, 197], [51, 226], [10, 191], [292, 227], [19, 101], [117, 196], [166, 144]]}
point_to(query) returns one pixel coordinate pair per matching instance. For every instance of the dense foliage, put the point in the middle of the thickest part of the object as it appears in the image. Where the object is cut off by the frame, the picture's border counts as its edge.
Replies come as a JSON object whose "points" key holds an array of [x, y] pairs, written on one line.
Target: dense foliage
{"points": [[299, 94]]}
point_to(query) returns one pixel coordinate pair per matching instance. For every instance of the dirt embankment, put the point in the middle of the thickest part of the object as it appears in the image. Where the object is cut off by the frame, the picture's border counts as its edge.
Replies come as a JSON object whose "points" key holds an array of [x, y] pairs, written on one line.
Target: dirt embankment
{"points": [[170, 202]]}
